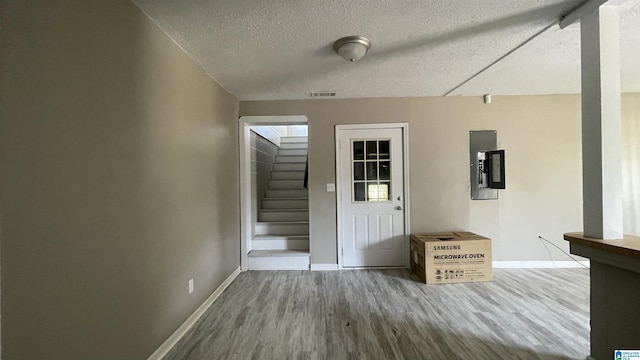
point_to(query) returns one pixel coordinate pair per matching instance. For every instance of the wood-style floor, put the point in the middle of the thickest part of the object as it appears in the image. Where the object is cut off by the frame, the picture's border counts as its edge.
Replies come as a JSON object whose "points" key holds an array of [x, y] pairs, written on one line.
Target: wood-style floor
{"points": [[387, 314]]}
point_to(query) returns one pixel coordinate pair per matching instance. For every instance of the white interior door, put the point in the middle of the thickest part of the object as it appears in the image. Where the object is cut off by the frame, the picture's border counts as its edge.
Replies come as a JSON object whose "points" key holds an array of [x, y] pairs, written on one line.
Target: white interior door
{"points": [[372, 197]]}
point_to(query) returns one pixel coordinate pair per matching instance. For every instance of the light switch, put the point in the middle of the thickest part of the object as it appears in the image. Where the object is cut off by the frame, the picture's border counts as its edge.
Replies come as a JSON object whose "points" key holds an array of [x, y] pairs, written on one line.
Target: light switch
{"points": [[331, 187]]}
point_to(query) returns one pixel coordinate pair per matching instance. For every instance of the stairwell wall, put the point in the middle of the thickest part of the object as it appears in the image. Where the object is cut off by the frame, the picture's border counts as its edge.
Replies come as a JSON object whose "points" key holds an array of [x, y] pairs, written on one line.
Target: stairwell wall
{"points": [[263, 155]]}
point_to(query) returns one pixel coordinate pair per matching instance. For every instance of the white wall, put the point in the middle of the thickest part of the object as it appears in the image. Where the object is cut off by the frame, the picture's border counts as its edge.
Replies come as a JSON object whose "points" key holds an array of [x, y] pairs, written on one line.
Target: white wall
{"points": [[273, 133], [297, 130]]}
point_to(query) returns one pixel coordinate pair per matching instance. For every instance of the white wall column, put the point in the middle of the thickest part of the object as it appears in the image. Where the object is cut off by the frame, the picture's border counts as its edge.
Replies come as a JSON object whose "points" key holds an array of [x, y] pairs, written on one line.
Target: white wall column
{"points": [[601, 124]]}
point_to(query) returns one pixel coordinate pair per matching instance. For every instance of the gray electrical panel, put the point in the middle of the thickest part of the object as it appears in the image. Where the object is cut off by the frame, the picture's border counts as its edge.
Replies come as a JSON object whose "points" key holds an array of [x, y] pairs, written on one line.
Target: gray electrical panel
{"points": [[481, 141]]}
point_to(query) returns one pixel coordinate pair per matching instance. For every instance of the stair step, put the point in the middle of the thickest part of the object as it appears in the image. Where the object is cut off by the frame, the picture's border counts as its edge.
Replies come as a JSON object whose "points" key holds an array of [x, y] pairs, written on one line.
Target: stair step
{"points": [[287, 175], [278, 253], [272, 215], [289, 166], [292, 152], [280, 237], [286, 184], [283, 203], [294, 139], [282, 159], [282, 228], [278, 260], [298, 145], [286, 193], [280, 242]]}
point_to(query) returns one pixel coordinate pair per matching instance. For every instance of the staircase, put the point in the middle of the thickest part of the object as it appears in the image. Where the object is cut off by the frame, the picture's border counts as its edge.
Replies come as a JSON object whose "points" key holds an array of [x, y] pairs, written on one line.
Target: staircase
{"points": [[281, 236]]}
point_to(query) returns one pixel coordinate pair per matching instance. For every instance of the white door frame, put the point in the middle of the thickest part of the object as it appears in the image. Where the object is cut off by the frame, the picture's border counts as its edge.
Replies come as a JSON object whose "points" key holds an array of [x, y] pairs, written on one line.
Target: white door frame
{"points": [[405, 159], [244, 137]]}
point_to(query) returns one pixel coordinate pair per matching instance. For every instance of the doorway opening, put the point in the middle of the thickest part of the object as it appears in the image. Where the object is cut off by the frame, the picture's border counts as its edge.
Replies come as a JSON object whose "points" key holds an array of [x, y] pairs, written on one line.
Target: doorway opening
{"points": [[274, 195]]}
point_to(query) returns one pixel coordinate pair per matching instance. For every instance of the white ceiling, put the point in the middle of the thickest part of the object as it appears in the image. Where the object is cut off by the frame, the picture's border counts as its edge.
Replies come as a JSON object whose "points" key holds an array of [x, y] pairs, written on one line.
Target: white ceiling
{"points": [[264, 50]]}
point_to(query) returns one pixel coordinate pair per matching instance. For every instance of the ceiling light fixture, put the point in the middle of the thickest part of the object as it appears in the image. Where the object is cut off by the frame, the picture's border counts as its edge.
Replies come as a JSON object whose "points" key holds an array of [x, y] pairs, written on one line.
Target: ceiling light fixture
{"points": [[352, 48]]}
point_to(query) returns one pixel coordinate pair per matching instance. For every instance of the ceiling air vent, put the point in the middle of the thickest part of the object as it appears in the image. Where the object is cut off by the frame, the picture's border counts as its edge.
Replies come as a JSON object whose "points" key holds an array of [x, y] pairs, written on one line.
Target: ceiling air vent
{"points": [[316, 94]]}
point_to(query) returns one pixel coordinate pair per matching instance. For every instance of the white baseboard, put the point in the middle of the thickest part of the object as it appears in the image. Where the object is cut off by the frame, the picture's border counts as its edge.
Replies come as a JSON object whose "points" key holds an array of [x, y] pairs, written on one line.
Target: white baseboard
{"points": [[179, 333], [538, 264], [324, 267]]}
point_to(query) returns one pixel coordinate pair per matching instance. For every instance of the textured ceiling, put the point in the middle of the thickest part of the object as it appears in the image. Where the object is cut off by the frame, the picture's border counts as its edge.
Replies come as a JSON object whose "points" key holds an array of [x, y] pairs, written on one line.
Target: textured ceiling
{"points": [[260, 50], [550, 64]]}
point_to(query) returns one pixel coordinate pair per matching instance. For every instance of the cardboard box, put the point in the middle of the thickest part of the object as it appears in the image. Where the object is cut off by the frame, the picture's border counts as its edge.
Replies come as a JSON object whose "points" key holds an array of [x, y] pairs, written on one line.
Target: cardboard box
{"points": [[451, 257]]}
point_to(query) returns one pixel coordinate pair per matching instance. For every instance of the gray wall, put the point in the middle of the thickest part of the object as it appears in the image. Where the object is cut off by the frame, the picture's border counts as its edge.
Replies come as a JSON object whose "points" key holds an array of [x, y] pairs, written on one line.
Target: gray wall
{"points": [[541, 135], [119, 181]]}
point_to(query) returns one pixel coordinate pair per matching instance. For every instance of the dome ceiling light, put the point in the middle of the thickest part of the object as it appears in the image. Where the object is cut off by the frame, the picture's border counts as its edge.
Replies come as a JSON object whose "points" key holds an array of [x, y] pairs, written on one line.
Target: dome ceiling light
{"points": [[352, 48]]}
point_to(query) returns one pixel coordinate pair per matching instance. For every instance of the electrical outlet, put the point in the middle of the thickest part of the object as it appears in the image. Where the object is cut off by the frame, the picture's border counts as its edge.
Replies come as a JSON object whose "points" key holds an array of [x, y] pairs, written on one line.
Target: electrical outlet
{"points": [[190, 286], [331, 187]]}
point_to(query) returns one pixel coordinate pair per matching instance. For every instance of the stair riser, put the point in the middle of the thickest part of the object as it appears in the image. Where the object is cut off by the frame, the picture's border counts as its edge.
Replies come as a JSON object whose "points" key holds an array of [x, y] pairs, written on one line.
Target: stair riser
{"points": [[281, 229], [286, 184], [285, 204], [291, 159], [274, 194], [279, 263], [287, 175], [294, 145], [292, 152], [289, 167], [280, 245], [283, 216]]}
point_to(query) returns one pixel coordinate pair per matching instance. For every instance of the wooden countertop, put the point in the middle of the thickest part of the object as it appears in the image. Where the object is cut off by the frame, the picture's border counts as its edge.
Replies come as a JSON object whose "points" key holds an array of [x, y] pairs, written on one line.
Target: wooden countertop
{"points": [[628, 246]]}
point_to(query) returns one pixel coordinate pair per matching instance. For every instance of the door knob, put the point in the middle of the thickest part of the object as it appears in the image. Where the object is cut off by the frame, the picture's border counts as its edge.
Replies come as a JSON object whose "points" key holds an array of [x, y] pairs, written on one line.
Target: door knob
{"points": [[398, 207]]}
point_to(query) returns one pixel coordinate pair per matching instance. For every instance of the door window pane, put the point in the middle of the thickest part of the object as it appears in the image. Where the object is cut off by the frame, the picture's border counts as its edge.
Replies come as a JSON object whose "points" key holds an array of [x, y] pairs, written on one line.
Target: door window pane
{"points": [[385, 191], [385, 170], [358, 150], [358, 192], [377, 192], [372, 170], [372, 150], [383, 149], [358, 171]]}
